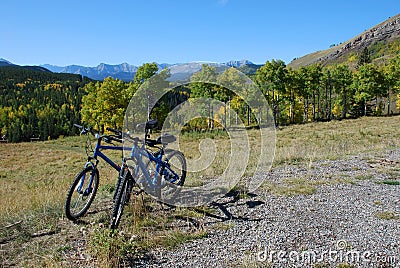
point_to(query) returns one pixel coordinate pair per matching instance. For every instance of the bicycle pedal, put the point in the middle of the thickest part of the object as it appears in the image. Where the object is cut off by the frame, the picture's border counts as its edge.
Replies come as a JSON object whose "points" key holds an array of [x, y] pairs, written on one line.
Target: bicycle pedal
{"points": [[138, 192]]}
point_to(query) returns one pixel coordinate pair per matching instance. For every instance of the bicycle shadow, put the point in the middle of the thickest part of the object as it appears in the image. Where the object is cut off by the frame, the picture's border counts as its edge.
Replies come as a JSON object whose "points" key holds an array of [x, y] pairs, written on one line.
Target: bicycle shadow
{"points": [[220, 210], [235, 200]]}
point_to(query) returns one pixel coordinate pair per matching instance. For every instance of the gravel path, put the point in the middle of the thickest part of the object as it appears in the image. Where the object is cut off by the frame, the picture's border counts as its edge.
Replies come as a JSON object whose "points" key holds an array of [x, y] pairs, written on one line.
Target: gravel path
{"points": [[352, 217]]}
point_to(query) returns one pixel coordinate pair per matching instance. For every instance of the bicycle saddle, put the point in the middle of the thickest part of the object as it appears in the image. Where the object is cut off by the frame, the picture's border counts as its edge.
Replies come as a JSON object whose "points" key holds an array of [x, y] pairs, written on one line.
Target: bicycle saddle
{"points": [[166, 138], [151, 124]]}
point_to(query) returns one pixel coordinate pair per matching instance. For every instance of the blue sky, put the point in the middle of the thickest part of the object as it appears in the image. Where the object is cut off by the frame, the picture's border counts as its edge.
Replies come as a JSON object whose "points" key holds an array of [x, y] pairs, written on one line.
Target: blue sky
{"points": [[89, 32]]}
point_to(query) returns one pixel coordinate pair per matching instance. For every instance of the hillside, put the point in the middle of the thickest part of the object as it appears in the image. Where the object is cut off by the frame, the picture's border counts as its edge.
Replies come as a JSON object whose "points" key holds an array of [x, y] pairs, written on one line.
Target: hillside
{"points": [[4, 62], [9, 65], [383, 41], [11, 75]]}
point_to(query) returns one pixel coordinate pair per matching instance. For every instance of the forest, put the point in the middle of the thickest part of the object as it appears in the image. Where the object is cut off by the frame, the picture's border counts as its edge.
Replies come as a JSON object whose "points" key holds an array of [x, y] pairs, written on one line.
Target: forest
{"points": [[38, 104], [44, 105]]}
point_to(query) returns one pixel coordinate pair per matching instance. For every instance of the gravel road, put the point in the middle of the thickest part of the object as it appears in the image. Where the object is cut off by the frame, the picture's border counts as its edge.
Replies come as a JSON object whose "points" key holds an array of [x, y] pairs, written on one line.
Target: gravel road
{"points": [[352, 217]]}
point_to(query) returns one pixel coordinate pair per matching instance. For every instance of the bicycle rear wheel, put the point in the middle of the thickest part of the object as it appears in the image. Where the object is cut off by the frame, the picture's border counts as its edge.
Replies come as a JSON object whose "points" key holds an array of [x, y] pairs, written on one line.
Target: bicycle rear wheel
{"points": [[81, 193], [121, 198], [176, 162]]}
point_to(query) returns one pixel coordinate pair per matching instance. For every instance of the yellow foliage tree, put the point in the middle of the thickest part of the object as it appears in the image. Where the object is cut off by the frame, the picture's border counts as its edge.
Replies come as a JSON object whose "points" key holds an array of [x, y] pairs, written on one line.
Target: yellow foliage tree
{"points": [[398, 102], [106, 102]]}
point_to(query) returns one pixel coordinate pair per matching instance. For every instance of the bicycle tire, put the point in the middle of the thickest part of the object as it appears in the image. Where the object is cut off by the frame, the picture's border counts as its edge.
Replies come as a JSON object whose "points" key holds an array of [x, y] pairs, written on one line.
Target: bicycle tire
{"points": [[116, 187], [119, 182], [74, 208], [120, 201], [177, 162]]}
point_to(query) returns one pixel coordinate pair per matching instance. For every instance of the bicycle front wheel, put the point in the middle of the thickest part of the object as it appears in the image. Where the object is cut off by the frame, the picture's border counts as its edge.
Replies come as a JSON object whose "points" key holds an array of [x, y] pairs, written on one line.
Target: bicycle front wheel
{"points": [[81, 193]]}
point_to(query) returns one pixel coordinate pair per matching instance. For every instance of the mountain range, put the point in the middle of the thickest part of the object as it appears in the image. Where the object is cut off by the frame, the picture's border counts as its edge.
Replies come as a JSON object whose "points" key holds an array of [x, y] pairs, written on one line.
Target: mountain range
{"points": [[123, 71], [126, 72]]}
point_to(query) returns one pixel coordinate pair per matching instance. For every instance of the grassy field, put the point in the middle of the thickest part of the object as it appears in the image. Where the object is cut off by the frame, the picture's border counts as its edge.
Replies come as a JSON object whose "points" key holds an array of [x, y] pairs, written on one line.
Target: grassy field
{"points": [[300, 143], [336, 139], [35, 177]]}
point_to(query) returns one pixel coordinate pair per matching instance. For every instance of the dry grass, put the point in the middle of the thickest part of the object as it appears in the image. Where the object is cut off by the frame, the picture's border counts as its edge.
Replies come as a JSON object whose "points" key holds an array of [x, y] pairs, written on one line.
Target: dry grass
{"points": [[34, 180], [387, 215], [336, 139], [145, 224], [297, 144], [36, 176], [301, 186]]}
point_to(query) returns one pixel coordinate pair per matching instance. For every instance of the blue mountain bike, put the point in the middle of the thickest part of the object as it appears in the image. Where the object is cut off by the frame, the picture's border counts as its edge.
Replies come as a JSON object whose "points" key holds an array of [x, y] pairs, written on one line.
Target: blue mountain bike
{"points": [[160, 173], [84, 187]]}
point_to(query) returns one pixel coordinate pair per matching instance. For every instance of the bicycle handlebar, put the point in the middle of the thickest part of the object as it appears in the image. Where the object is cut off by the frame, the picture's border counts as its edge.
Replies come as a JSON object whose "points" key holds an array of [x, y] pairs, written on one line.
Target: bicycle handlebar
{"points": [[120, 135], [116, 131], [107, 138], [112, 138]]}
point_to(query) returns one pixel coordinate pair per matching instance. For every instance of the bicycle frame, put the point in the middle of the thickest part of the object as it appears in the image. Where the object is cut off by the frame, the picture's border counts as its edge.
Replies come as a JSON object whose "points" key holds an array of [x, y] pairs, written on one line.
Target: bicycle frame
{"points": [[97, 153], [137, 153]]}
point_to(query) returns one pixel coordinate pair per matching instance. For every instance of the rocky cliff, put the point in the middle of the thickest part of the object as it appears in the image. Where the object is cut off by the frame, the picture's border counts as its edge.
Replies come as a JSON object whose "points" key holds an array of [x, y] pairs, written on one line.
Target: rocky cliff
{"points": [[384, 32]]}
